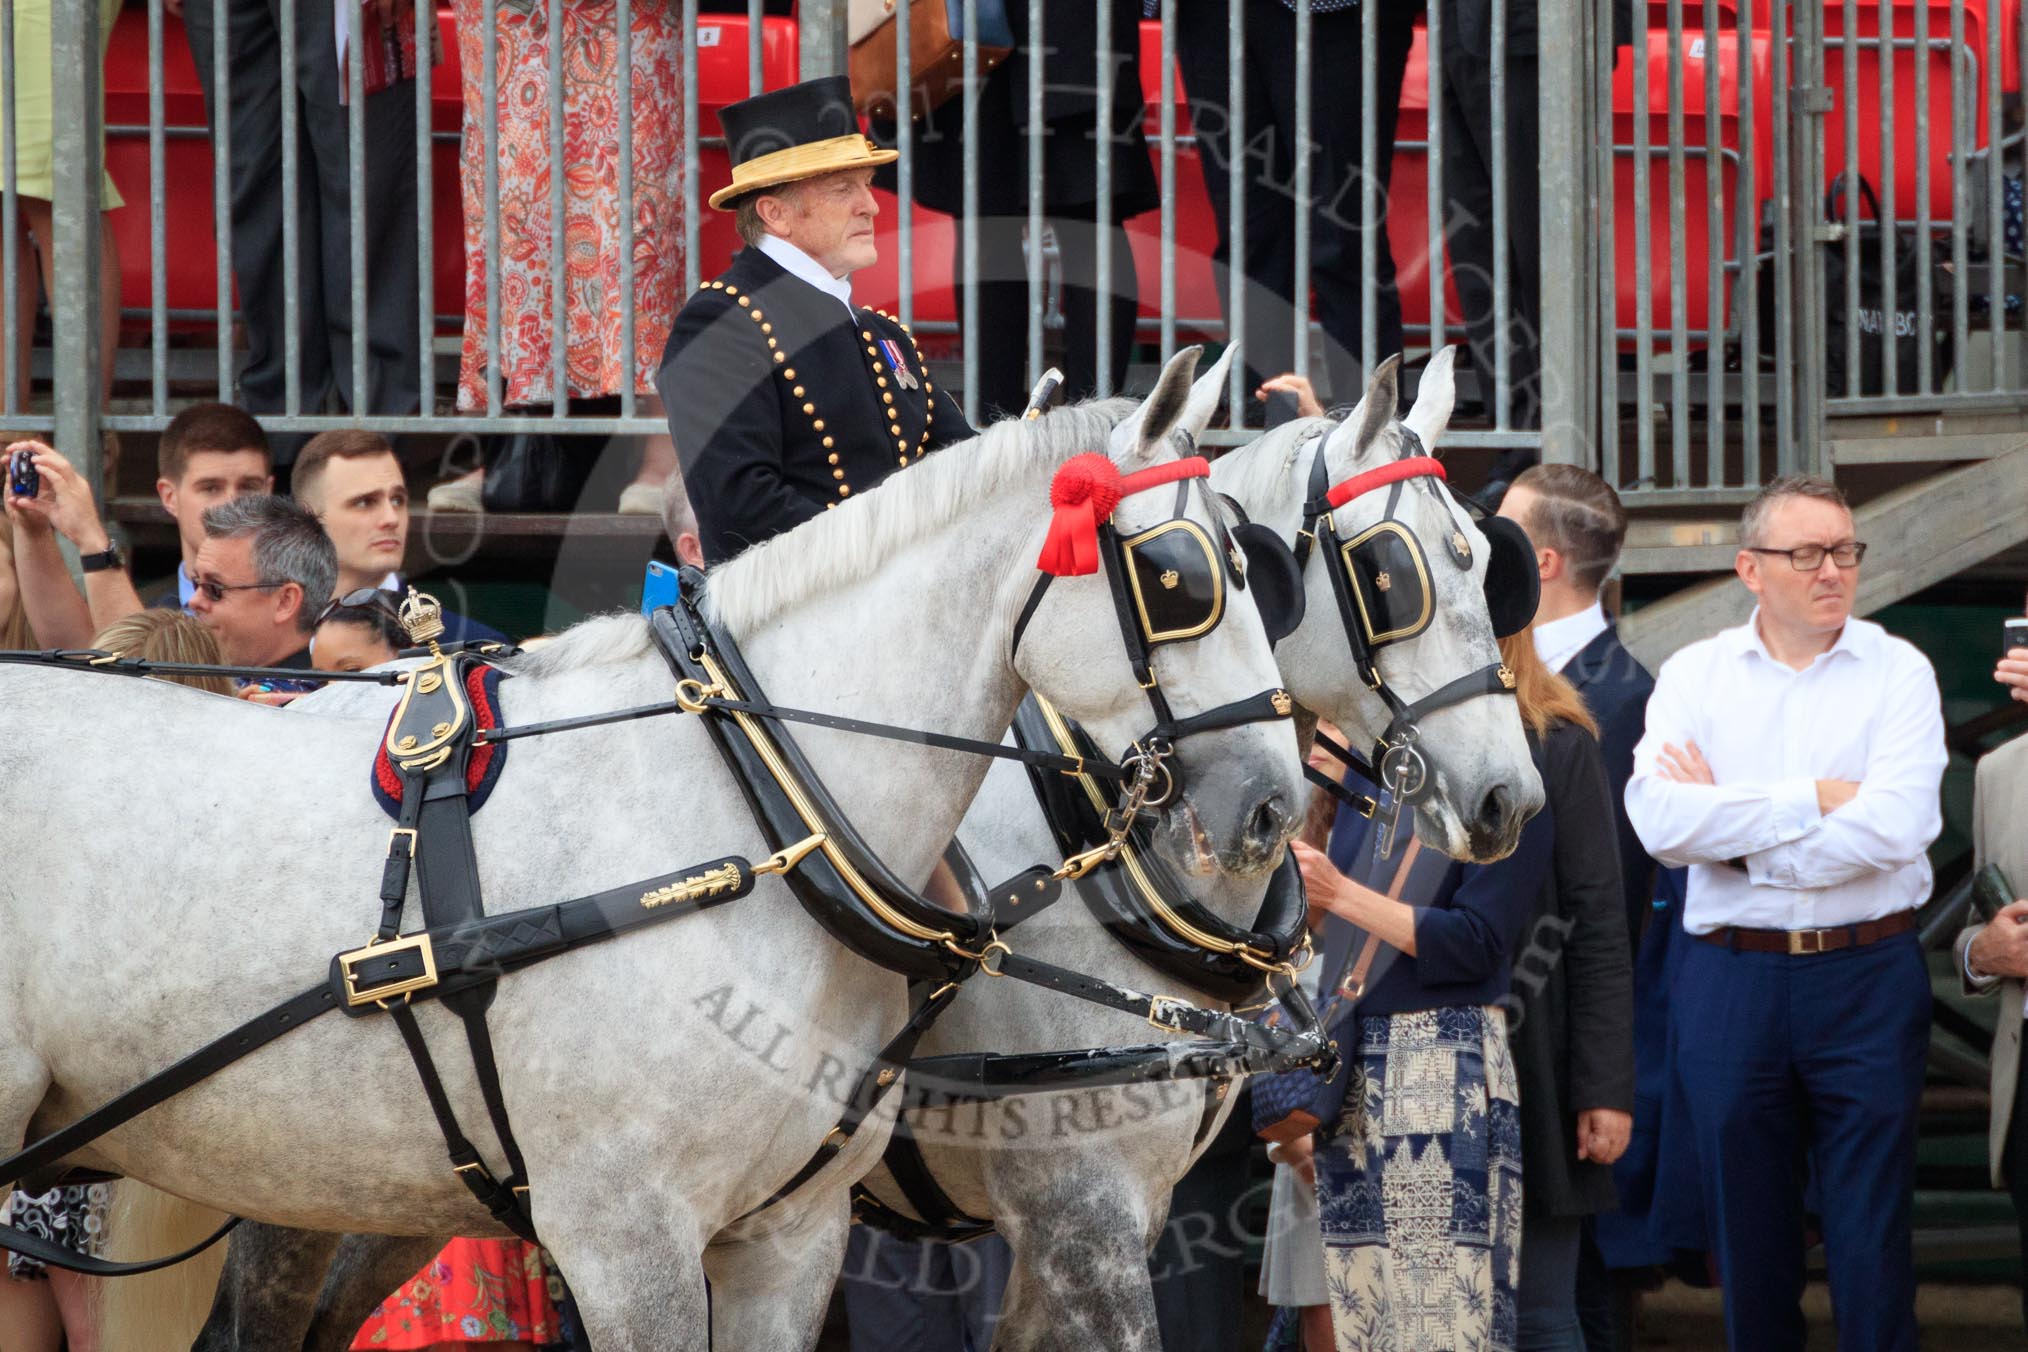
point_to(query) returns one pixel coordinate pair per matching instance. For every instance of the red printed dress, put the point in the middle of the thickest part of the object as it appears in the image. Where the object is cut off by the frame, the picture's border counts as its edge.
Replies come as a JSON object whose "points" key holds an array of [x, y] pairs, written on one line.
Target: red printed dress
{"points": [[593, 233], [475, 1291]]}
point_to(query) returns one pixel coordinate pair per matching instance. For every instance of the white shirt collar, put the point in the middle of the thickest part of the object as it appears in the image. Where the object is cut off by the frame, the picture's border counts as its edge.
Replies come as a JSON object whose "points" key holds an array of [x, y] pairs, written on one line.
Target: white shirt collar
{"points": [[1558, 641], [799, 264], [1855, 640]]}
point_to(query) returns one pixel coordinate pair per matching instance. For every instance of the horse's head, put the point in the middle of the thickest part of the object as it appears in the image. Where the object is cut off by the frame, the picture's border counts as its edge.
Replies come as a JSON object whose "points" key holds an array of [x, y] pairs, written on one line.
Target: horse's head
{"points": [[1163, 629], [1428, 575]]}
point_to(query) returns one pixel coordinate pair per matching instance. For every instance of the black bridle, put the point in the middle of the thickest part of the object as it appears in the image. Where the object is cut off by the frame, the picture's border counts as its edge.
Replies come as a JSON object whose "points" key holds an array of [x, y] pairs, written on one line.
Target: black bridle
{"points": [[1222, 565], [1396, 764]]}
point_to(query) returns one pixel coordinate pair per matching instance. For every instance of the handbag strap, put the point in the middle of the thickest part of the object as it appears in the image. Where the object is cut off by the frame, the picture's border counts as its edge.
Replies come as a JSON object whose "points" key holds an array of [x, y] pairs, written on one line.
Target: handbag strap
{"points": [[1354, 983]]}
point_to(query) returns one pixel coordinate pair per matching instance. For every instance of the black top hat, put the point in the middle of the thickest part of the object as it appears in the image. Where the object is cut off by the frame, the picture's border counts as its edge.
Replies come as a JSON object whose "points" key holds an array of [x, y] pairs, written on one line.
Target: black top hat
{"points": [[788, 134]]}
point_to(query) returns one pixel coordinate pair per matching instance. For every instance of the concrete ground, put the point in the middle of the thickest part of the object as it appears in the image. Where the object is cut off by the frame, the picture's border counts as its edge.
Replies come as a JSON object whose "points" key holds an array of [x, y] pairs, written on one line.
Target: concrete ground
{"points": [[1679, 1318]]}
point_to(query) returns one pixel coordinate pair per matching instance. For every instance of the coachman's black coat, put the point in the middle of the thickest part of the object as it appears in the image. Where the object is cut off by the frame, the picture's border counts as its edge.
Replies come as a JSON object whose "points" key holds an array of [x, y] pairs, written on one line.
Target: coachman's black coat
{"points": [[782, 406]]}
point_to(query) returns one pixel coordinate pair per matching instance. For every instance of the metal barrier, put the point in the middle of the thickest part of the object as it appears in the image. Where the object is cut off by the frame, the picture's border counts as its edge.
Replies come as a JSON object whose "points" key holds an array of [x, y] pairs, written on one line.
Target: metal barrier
{"points": [[1688, 372]]}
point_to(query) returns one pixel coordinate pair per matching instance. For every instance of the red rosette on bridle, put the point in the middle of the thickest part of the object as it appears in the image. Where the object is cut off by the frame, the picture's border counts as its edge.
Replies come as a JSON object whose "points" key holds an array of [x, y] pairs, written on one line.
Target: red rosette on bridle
{"points": [[1084, 493]]}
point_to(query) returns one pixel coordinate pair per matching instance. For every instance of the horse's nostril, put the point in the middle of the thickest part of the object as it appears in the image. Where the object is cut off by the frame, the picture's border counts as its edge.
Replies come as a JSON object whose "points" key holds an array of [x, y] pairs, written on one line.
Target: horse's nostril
{"points": [[1493, 808], [1269, 823]]}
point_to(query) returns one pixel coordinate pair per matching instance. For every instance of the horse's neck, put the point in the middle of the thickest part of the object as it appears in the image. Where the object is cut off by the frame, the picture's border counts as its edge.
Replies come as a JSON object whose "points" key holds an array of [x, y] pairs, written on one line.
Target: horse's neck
{"points": [[922, 644]]}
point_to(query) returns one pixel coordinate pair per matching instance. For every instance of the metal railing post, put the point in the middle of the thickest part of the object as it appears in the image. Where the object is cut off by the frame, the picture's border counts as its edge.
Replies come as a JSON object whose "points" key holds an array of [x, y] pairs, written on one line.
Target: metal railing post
{"points": [[1563, 200], [822, 24], [76, 115], [1810, 100]]}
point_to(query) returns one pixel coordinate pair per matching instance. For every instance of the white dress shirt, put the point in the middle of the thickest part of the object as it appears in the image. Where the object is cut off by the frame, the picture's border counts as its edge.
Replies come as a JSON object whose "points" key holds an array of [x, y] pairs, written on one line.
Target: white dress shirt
{"points": [[799, 264], [1557, 641], [1867, 710]]}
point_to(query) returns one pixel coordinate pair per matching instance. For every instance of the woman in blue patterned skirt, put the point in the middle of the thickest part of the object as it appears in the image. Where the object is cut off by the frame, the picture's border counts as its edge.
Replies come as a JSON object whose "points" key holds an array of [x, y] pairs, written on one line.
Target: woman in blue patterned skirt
{"points": [[1419, 1181]]}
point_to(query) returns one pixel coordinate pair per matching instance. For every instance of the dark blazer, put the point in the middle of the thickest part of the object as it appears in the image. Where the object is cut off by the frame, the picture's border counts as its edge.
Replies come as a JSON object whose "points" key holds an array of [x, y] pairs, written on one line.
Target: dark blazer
{"points": [[1615, 688], [1070, 95], [1570, 1020], [1470, 918], [770, 436]]}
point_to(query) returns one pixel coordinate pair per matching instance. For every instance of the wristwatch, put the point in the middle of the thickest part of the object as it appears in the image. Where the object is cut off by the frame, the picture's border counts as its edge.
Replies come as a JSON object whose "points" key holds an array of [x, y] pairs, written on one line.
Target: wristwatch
{"points": [[98, 563]]}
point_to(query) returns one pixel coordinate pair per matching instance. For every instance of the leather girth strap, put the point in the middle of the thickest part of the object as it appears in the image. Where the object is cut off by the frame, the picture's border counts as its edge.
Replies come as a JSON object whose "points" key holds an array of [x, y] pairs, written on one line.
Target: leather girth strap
{"points": [[436, 719], [881, 1074]]}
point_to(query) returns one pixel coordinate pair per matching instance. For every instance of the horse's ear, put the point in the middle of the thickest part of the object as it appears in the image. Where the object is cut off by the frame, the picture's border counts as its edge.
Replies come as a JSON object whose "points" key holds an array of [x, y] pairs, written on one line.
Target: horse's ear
{"points": [[1363, 426], [1205, 392], [1435, 396], [1147, 429]]}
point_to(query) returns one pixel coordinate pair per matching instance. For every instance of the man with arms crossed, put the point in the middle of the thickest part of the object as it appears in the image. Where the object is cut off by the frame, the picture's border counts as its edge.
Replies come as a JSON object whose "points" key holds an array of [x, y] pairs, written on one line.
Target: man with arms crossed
{"points": [[1792, 764]]}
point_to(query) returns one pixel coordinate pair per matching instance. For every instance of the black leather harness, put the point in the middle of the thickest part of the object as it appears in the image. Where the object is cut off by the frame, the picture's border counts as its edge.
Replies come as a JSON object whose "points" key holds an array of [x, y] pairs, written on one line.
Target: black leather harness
{"points": [[461, 952]]}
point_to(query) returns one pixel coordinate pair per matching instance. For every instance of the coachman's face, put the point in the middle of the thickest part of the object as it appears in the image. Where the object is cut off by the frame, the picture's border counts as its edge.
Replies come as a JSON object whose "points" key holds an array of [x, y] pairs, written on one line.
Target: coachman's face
{"points": [[831, 219]]}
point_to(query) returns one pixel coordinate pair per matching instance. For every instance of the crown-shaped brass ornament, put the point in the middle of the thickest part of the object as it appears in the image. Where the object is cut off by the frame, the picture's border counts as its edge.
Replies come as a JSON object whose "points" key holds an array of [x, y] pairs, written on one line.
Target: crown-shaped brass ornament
{"points": [[423, 617]]}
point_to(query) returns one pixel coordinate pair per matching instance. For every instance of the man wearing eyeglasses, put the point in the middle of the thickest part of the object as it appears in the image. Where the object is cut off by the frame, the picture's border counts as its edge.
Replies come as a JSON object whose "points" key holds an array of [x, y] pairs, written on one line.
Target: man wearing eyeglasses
{"points": [[262, 574], [1792, 764]]}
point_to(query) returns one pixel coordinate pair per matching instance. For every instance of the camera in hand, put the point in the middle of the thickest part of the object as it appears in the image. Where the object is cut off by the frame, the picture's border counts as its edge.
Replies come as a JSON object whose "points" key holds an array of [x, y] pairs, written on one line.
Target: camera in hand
{"points": [[23, 479], [2014, 634]]}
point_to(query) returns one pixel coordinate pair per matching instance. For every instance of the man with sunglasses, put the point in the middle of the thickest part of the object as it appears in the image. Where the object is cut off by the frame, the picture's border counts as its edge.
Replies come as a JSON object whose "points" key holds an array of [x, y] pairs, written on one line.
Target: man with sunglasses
{"points": [[1792, 764], [261, 576]]}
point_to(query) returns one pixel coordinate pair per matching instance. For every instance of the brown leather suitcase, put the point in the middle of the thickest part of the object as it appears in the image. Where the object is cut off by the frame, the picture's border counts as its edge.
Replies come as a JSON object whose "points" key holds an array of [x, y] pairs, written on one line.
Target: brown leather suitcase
{"points": [[936, 58]]}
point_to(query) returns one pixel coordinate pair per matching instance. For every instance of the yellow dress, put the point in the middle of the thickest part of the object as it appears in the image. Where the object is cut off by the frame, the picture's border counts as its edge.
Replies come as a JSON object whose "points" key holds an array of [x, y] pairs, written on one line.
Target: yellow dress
{"points": [[33, 99]]}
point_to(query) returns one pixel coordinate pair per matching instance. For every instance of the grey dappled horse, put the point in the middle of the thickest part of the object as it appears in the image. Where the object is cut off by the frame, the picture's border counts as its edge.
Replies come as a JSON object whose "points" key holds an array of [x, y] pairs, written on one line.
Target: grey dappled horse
{"points": [[248, 851]]}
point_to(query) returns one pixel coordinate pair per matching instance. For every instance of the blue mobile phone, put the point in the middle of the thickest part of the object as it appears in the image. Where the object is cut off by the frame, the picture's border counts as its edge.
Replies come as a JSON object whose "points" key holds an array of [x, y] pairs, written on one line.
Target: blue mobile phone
{"points": [[659, 588], [23, 479]]}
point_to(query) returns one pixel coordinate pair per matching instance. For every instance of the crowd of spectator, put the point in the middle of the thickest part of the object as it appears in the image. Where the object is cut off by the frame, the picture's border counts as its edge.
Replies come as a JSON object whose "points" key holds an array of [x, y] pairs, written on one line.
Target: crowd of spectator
{"points": [[286, 587]]}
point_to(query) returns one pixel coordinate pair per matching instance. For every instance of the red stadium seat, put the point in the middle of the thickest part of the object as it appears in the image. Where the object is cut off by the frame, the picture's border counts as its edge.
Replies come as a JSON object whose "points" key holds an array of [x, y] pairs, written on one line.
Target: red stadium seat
{"points": [[1702, 254], [1970, 60]]}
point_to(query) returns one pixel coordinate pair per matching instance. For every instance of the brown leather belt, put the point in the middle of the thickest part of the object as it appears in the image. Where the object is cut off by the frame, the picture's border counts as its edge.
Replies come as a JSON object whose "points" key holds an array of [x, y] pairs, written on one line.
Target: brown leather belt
{"points": [[1799, 942]]}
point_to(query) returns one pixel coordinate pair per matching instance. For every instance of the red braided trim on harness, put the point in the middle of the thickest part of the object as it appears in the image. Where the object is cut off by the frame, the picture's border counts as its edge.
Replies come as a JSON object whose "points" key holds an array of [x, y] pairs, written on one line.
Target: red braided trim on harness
{"points": [[1415, 467], [1084, 493], [482, 687]]}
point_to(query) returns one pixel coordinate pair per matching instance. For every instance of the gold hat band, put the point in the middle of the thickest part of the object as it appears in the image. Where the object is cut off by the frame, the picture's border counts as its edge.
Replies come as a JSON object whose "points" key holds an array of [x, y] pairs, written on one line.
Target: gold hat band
{"points": [[804, 161]]}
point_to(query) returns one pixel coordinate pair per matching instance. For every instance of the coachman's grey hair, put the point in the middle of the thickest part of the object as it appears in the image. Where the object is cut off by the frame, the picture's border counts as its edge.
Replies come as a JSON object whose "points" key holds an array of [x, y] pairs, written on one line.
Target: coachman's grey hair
{"points": [[289, 545], [678, 516], [1753, 521]]}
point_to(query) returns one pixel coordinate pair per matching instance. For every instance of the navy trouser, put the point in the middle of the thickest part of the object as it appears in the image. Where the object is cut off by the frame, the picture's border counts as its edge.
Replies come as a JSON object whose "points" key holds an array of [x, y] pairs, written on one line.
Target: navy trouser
{"points": [[1780, 1056], [923, 1296]]}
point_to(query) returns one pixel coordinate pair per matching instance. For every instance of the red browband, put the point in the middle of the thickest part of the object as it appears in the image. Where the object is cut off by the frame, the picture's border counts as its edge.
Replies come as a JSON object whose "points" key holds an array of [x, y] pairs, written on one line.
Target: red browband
{"points": [[1084, 493], [1415, 467]]}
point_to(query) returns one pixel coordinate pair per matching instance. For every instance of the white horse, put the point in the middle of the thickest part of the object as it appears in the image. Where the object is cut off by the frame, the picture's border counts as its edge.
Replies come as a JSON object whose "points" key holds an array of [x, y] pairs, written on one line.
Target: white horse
{"points": [[664, 1085], [1079, 1181]]}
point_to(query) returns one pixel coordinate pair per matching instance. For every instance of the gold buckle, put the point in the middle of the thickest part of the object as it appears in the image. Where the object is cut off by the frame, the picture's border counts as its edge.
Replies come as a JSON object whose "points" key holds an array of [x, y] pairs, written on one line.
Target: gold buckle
{"points": [[1805, 942], [381, 995], [1157, 1005], [1084, 862], [397, 833]]}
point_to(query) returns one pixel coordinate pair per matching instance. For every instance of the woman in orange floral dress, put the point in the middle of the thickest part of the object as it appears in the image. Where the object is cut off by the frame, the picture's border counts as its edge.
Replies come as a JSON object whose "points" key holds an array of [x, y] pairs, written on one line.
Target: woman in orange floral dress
{"points": [[594, 236], [495, 1291]]}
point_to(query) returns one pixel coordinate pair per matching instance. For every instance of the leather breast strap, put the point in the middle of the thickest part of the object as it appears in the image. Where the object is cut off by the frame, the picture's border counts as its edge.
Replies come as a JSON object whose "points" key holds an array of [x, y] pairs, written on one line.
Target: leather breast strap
{"points": [[429, 742]]}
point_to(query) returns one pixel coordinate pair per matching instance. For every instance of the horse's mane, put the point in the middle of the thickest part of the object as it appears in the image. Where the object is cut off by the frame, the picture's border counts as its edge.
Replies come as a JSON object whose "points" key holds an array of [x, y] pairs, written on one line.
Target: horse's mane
{"points": [[602, 640], [1260, 470], [838, 548]]}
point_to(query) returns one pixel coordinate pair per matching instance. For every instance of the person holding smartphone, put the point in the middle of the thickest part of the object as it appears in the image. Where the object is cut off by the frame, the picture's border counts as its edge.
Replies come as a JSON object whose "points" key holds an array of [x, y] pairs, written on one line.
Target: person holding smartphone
{"points": [[1993, 954]]}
